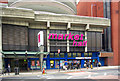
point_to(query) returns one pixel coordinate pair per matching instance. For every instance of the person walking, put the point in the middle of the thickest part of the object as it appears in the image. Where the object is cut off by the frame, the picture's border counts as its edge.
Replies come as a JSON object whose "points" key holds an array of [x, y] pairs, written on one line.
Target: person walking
{"points": [[99, 64], [87, 64], [78, 65], [9, 70], [91, 65]]}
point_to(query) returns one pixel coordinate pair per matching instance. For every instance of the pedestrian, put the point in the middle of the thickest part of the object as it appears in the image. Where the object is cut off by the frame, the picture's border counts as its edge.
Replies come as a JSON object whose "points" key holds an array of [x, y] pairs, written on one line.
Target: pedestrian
{"points": [[85, 65], [9, 70], [91, 65], [4, 71], [99, 64], [88, 65], [78, 65]]}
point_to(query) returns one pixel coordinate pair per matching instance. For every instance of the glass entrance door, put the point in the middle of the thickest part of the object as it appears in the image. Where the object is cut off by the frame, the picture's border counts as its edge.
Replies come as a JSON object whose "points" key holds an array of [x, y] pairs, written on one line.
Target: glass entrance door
{"points": [[23, 65]]}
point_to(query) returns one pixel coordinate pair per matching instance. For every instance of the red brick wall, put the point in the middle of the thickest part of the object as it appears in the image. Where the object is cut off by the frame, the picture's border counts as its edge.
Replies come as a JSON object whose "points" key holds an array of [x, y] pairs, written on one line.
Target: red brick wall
{"points": [[119, 35], [3, 1], [85, 9], [114, 28]]}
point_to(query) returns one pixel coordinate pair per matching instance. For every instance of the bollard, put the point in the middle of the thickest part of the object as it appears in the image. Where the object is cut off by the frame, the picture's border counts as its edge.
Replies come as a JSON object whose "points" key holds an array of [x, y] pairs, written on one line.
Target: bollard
{"points": [[43, 71]]}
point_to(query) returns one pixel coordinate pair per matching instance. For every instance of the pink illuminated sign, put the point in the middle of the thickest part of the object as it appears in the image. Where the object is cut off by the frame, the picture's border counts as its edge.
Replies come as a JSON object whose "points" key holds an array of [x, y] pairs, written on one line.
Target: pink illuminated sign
{"points": [[69, 37]]}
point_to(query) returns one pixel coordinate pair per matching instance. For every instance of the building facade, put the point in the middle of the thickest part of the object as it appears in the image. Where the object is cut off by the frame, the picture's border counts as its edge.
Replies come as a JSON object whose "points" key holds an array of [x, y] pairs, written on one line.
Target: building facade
{"points": [[79, 38], [108, 9], [19, 38]]}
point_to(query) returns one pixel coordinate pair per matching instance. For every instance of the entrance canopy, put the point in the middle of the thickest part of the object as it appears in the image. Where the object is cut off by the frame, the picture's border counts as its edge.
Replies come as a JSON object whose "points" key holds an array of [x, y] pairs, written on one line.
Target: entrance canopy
{"points": [[22, 54]]}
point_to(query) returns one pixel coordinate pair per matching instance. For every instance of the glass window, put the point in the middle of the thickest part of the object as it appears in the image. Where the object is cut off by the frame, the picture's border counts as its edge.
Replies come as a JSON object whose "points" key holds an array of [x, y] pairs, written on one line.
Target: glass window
{"points": [[69, 55], [51, 63], [56, 55], [51, 55], [33, 64], [44, 63], [74, 54], [56, 63], [62, 55], [90, 54], [62, 63], [38, 64], [79, 54], [85, 54]]}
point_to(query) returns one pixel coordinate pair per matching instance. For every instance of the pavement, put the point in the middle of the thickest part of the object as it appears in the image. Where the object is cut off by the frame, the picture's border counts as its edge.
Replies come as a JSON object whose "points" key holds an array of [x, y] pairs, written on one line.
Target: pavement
{"points": [[105, 72]]}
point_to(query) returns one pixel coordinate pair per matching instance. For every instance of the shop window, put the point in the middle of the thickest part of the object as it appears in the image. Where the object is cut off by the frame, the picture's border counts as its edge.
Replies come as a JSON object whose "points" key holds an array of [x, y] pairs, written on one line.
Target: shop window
{"points": [[61, 63], [56, 55], [90, 54], [79, 54], [85, 54], [56, 63], [44, 63], [51, 55], [38, 64], [62, 55], [69, 55], [74, 54], [33, 64], [51, 63]]}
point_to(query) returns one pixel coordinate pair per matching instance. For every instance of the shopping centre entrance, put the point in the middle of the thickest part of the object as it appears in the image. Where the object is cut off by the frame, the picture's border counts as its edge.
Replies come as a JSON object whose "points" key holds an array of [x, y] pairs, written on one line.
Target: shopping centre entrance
{"points": [[21, 63]]}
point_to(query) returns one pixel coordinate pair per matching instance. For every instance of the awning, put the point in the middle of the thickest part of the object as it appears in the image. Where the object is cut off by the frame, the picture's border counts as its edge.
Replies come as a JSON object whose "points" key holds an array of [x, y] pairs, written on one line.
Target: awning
{"points": [[20, 53]]}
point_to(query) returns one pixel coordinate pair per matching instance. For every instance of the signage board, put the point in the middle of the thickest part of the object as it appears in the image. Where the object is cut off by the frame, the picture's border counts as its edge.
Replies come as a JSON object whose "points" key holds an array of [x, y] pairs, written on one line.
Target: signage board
{"points": [[82, 57], [40, 39], [33, 63]]}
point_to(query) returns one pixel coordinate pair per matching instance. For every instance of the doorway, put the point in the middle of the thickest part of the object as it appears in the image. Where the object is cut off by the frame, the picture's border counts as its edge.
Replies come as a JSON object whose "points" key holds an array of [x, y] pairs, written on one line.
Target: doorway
{"points": [[23, 64]]}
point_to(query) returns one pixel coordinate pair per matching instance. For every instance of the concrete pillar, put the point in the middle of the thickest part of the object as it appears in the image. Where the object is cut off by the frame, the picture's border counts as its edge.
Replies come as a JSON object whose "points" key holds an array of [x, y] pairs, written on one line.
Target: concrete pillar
{"points": [[41, 56], [41, 61], [68, 27], [86, 40], [68, 49], [87, 28], [48, 42], [1, 63], [48, 24]]}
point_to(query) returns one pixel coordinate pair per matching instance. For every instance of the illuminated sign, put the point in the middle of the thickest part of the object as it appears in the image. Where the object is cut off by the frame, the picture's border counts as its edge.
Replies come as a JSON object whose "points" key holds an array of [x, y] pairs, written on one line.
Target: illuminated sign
{"points": [[82, 57], [69, 37]]}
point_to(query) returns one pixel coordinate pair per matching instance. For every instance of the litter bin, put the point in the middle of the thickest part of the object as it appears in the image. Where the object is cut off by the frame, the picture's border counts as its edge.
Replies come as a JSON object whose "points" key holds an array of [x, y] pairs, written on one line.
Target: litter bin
{"points": [[16, 70]]}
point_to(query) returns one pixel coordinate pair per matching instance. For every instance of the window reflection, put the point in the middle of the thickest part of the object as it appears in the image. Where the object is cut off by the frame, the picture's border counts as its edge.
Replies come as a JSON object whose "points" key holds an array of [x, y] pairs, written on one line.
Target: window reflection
{"points": [[56, 55], [79, 54], [85, 54], [69, 55], [62, 55], [51, 55], [74, 54]]}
